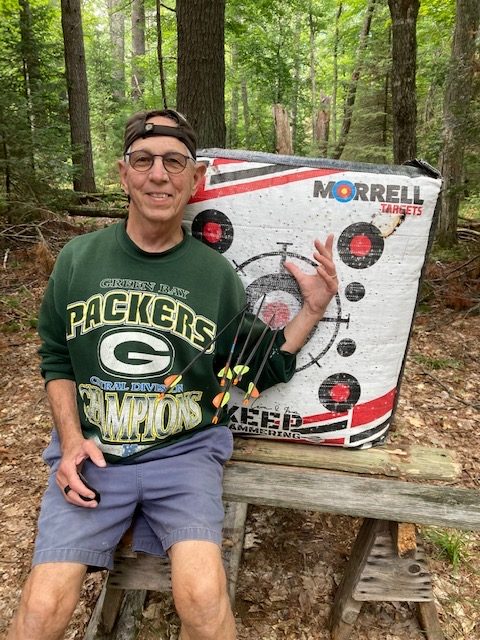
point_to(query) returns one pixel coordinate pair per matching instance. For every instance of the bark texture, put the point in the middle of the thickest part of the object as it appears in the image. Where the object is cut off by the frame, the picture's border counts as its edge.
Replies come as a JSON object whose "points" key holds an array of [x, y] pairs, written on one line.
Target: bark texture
{"points": [[456, 114], [77, 86], [404, 65], [201, 68]]}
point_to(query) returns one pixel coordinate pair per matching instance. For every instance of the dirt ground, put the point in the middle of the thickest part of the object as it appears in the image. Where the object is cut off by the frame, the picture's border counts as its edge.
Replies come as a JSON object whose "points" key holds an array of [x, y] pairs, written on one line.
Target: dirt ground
{"points": [[293, 560]]}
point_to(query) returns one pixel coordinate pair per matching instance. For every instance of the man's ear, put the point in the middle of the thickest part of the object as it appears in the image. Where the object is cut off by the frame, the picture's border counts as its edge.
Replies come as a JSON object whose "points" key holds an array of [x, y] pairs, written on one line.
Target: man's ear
{"points": [[200, 171], [122, 170]]}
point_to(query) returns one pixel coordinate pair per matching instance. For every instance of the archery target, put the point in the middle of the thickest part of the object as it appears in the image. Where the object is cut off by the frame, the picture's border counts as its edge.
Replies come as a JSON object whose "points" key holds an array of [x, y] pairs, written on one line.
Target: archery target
{"points": [[339, 392], [214, 229], [360, 245], [262, 210]]}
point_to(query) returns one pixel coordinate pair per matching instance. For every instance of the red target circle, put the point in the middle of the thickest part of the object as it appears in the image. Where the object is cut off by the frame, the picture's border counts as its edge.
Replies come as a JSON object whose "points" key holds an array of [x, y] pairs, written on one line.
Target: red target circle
{"points": [[276, 314], [214, 229], [339, 392], [360, 245], [212, 232]]}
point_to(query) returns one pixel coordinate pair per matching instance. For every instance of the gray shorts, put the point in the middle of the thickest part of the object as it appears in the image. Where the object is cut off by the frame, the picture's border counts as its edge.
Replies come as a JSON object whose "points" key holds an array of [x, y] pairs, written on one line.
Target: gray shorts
{"points": [[170, 495]]}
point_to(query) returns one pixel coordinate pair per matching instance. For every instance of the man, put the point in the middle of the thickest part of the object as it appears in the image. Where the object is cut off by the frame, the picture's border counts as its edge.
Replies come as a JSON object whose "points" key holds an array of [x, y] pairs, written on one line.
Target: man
{"points": [[127, 307]]}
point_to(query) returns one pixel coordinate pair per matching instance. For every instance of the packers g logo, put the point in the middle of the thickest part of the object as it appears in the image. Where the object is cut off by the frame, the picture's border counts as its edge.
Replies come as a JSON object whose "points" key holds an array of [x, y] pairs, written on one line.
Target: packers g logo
{"points": [[135, 354]]}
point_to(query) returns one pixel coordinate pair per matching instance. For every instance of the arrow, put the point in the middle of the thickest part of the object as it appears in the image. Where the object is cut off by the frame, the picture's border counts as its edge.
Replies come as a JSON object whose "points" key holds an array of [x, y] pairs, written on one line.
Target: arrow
{"points": [[242, 369], [174, 379], [226, 372], [252, 390]]}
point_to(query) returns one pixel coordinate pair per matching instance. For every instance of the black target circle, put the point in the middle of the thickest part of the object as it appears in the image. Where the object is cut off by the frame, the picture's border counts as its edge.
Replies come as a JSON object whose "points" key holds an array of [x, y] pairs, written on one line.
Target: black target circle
{"points": [[346, 347], [354, 291], [339, 392], [360, 245], [214, 229]]}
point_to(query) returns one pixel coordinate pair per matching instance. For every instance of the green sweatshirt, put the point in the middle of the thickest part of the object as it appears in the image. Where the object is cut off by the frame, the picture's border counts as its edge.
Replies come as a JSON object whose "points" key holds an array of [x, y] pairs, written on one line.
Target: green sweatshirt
{"points": [[118, 321]]}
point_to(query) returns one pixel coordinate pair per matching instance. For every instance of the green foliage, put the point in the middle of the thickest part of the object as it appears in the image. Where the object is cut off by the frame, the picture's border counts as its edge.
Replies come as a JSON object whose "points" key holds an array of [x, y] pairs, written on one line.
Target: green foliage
{"points": [[450, 544], [269, 57], [436, 363]]}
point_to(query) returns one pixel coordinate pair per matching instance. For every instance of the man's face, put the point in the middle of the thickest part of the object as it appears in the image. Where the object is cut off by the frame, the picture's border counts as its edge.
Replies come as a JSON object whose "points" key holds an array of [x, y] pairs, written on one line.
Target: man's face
{"points": [[158, 197]]}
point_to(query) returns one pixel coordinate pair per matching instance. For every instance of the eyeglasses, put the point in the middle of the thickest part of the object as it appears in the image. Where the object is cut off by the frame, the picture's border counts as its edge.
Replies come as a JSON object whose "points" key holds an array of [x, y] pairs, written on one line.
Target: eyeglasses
{"points": [[142, 161]]}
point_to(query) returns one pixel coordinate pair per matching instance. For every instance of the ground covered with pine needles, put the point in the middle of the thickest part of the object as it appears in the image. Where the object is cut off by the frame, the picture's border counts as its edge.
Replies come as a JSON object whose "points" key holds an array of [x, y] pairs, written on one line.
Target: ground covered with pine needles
{"points": [[292, 560]]}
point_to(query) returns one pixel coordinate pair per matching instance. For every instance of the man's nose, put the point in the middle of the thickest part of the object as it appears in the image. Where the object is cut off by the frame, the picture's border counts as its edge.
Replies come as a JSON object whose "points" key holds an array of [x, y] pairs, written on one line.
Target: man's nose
{"points": [[158, 170]]}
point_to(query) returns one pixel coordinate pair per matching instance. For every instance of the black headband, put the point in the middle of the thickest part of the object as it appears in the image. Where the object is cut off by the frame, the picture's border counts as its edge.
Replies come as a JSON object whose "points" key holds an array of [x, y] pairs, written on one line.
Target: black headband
{"points": [[151, 129]]}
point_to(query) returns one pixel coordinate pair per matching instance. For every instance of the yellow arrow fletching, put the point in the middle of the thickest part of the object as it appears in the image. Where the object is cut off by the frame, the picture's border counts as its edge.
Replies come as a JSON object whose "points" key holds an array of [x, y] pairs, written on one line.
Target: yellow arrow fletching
{"points": [[225, 373], [221, 399]]}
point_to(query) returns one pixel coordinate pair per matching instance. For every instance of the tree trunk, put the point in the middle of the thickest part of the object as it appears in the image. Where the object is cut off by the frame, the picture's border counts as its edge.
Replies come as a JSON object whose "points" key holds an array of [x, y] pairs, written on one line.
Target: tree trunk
{"points": [[201, 68], [138, 48], [161, 69], [313, 83], [246, 113], [335, 72], [296, 86], [322, 124], [404, 65], [352, 89], [458, 94], [235, 98], [76, 75], [117, 38], [283, 134], [31, 76]]}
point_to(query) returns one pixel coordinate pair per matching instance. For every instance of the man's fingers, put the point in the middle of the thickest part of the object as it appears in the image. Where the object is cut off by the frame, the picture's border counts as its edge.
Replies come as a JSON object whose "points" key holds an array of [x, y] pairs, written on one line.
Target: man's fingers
{"points": [[92, 452]]}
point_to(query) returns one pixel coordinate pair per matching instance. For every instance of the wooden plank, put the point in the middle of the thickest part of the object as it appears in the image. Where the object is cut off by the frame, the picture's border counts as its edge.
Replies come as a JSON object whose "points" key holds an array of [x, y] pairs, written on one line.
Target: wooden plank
{"points": [[140, 571], [233, 535], [404, 537], [422, 463], [429, 622], [387, 578], [345, 608], [318, 490]]}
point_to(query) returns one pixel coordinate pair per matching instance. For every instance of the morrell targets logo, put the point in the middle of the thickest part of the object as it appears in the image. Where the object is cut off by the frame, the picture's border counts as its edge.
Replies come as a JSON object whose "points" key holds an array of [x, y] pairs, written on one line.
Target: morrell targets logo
{"points": [[393, 198]]}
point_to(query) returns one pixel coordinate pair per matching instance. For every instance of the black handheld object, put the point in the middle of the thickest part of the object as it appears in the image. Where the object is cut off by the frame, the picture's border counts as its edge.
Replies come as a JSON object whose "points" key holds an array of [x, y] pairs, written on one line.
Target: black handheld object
{"points": [[89, 486]]}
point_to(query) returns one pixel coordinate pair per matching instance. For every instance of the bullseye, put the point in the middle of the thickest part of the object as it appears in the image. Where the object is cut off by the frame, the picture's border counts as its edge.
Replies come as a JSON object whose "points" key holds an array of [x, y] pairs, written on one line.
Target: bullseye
{"points": [[212, 232], [344, 191], [340, 392], [214, 229], [360, 245], [276, 314]]}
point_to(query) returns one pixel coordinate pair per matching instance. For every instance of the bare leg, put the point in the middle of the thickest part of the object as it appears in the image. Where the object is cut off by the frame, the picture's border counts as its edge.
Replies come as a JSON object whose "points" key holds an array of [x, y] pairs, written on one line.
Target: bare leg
{"points": [[48, 601], [200, 591]]}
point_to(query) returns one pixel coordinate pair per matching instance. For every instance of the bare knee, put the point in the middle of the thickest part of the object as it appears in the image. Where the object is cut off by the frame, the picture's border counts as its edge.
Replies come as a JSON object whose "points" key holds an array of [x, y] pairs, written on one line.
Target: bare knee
{"points": [[47, 603], [201, 601]]}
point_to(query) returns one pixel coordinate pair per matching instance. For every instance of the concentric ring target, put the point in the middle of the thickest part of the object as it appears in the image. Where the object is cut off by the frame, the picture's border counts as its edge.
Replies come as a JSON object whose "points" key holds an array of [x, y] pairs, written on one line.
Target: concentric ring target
{"points": [[360, 245], [339, 392], [283, 300], [214, 229], [344, 191]]}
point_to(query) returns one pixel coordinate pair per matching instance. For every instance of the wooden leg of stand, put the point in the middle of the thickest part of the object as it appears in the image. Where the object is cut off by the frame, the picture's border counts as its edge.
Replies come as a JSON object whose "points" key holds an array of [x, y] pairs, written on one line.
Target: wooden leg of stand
{"points": [[233, 535], [345, 609], [429, 622]]}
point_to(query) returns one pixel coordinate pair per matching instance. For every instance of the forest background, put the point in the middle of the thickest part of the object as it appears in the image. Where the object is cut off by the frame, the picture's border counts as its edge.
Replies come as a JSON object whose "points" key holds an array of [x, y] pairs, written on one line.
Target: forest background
{"points": [[379, 81], [366, 80]]}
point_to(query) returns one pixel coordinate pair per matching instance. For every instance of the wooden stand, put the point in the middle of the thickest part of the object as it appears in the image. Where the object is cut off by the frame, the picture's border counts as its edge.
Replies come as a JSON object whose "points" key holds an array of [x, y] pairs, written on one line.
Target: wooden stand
{"points": [[386, 562]]}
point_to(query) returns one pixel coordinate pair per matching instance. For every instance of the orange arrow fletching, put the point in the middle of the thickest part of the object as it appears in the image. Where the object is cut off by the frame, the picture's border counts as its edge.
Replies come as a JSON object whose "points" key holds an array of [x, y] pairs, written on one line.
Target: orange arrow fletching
{"points": [[171, 381], [221, 399]]}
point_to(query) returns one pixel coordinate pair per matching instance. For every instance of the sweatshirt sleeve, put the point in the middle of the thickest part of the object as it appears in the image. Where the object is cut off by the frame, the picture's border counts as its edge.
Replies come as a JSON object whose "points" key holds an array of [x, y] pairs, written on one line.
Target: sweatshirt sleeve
{"points": [[54, 353]]}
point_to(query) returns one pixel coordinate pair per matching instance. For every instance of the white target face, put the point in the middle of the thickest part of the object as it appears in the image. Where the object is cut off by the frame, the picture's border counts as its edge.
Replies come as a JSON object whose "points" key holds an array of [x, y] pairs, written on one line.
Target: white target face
{"points": [[260, 213]]}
